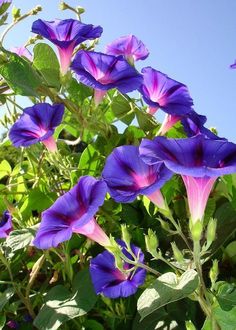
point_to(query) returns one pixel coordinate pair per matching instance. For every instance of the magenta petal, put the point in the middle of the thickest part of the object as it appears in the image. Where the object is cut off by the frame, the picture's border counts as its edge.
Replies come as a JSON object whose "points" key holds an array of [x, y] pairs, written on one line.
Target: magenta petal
{"points": [[198, 191]]}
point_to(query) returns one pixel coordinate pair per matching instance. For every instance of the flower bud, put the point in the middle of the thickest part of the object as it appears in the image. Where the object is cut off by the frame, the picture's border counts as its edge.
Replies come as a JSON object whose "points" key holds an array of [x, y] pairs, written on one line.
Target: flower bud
{"points": [[80, 10], [196, 230], [214, 272], [164, 225], [189, 325], [16, 14], [151, 241], [125, 235], [36, 10], [177, 253], [211, 231], [63, 6]]}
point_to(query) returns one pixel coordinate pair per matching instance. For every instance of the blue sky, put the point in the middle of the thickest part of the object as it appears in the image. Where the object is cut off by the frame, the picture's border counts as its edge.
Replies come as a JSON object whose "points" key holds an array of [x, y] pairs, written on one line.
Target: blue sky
{"points": [[192, 41]]}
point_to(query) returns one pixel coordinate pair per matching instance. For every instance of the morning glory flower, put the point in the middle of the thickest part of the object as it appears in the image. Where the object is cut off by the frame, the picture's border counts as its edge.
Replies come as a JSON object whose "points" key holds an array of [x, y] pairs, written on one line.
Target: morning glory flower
{"points": [[127, 176], [130, 47], [112, 282], [73, 213], [103, 72], [233, 66], [37, 124], [66, 35], [160, 91], [22, 51], [5, 224], [199, 160]]}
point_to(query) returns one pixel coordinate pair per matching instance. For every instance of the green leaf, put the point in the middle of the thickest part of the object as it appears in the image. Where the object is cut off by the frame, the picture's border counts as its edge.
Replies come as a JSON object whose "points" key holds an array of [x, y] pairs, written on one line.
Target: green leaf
{"points": [[121, 108], [62, 305], [226, 319], [93, 325], [78, 92], [146, 121], [5, 169], [89, 160], [2, 321], [166, 289], [226, 296], [19, 74], [4, 7], [5, 297], [18, 239], [46, 62]]}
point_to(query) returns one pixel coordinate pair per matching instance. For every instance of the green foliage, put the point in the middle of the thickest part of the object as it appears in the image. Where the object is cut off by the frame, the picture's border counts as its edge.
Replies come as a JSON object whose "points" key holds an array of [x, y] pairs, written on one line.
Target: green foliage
{"points": [[62, 305]]}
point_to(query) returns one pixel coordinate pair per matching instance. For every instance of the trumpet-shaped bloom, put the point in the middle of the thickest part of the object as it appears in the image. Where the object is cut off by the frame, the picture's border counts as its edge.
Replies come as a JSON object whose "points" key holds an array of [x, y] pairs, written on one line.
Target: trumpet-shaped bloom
{"points": [[127, 176], [160, 91], [5, 224], [130, 47], [103, 72], [66, 35], [73, 213], [22, 51], [112, 282], [37, 124], [199, 160]]}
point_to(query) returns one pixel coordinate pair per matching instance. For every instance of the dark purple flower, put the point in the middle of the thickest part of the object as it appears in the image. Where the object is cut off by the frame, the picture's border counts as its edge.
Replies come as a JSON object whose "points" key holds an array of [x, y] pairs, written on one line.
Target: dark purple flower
{"points": [[66, 35], [130, 47], [12, 324], [22, 51], [127, 176], [160, 91], [103, 72], [37, 124], [5, 224], [73, 212], [233, 66], [112, 282], [199, 160]]}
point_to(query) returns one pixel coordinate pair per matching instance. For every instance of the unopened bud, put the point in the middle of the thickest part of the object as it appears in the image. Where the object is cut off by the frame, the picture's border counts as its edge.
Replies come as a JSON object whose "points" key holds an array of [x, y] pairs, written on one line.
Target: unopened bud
{"points": [[151, 241], [214, 272], [16, 14], [63, 6], [177, 253], [164, 225], [36, 10], [80, 10], [189, 325], [214, 130], [211, 231], [196, 230], [125, 235]]}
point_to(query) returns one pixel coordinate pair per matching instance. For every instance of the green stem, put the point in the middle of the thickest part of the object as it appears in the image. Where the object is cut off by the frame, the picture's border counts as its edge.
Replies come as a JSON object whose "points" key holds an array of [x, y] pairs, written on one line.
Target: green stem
{"points": [[202, 294]]}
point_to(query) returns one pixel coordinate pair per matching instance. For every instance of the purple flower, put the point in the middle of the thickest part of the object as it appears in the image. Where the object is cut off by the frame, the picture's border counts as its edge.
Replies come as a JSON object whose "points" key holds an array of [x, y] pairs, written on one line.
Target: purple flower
{"points": [[160, 91], [12, 324], [66, 35], [233, 66], [112, 282], [22, 51], [127, 176], [5, 224], [37, 124], [130, 47], [73, 213], [103, 72], [199, 160]]}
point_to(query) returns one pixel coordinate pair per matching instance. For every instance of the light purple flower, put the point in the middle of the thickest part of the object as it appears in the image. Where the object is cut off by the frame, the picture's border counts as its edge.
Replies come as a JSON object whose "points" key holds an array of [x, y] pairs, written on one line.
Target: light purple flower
{"points": [[112, 282], [127, 176], [233, 66], [22, 51], [199, 160], [5, 224], [37, 124], [130, 47], [160, 91], [73, 213], [103, 72], [66, 35]]}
